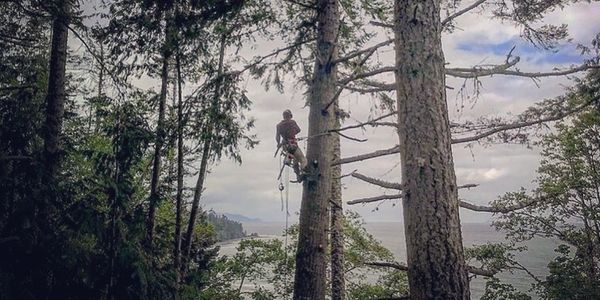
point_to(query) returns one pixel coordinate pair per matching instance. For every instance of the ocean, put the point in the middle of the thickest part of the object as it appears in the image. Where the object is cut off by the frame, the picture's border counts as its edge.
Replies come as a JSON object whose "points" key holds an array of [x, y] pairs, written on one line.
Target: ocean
{"points": [[391, 235]]}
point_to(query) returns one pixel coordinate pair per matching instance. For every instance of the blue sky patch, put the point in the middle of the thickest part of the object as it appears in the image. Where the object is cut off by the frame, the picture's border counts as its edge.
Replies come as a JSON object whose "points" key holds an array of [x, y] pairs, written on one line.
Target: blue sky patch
{"points": [[564, 54]]}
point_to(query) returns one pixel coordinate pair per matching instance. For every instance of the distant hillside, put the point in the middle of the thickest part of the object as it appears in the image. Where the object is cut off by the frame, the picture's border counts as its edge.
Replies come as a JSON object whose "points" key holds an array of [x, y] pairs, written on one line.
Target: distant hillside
{"points": [[226, 228], [240, 218]]}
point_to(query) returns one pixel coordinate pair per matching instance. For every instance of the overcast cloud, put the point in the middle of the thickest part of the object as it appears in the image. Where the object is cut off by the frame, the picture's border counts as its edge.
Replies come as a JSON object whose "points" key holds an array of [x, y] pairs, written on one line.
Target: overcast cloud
{"points": [[251, 189]]}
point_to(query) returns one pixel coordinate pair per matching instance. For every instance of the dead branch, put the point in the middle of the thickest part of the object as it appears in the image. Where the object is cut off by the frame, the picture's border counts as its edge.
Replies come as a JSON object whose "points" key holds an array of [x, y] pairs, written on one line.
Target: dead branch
{"points": [[351, 138], [371, 123], [497, 209], [375, 199], [379, 182], [503, 70], [378, 153], [401, 267]]}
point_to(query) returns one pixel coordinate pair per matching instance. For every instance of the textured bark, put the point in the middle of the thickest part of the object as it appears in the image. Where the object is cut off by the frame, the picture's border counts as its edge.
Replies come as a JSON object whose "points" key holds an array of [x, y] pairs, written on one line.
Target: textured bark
{"points": [[436, 266], [206, 151], [160, 140], [337, 226], [56, 95], [310, 276], [180, 170]]}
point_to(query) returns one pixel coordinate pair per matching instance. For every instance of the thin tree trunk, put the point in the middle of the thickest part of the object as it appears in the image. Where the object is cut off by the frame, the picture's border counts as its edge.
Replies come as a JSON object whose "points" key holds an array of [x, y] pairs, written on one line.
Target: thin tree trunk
{"points": [[311, 262], [56, 95], [208, 133], [337, 225], [436, 266], [180, 170], [160, 139]]}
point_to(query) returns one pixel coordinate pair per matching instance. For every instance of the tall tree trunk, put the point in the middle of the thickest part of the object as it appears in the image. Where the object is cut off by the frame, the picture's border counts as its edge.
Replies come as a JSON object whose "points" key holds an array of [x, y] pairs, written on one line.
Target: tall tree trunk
{"points": [[180, 170], [337, 223], [160, 137], [56, 95], [208, 133], [310, 276], [436, 266]]}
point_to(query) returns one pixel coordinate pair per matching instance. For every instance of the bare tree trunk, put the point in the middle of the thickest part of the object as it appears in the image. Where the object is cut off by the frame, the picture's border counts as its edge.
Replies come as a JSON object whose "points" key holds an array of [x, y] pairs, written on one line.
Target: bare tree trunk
{"points": [[208, 132], [179, 197], [160, 139], [56, 95], [337, 225], [436, 266], [310, 276]]}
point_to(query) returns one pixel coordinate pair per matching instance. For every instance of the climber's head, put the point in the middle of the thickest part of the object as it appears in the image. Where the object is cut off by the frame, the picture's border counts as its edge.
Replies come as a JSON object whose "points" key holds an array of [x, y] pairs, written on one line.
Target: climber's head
{"points": [[287, 114]]}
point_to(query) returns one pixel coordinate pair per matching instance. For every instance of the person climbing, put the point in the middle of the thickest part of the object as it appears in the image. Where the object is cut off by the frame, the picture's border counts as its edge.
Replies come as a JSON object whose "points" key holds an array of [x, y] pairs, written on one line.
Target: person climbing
{"points": [[286, 139]]}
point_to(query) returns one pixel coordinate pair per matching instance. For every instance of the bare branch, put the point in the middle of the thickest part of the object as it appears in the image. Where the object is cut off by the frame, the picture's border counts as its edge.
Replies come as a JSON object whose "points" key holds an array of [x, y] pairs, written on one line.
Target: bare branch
{"points": [[381, 24], [497, 209], [354, 73], [375, 181], [371, 123], [260, 59], [375, 199], [401, 267], [502, 70], [378, 153], [351, 138], [367, 74], [457, 14], [354, 54], [398, 186], [518, 125]]}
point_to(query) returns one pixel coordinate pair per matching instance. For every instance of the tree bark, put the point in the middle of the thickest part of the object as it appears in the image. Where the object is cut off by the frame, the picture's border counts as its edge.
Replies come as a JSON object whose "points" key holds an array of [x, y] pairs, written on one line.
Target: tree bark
{"points": [[160, 137], [310, 275], [56, 95], [180, 170], [436, 266], [206, 151], [337, 226]]}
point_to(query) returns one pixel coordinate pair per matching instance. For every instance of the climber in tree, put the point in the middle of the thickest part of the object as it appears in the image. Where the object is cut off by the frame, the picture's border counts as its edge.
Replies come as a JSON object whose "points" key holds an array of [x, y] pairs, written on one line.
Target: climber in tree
{"points": [[286, 139]]}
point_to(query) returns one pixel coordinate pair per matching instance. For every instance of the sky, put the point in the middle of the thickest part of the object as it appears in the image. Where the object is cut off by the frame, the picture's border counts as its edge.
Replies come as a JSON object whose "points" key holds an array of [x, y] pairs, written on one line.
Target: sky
{"points": [[250, 189]]}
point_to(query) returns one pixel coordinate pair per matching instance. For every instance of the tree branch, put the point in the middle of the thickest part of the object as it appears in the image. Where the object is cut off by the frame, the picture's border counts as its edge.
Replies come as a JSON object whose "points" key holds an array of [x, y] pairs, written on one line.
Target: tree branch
{"points": [[502, 70], [378, 153], [497, 209], [354, 54], [379, 182], [375, 199], [401, 267], [524, 124], [371, 123], [461, 12]]}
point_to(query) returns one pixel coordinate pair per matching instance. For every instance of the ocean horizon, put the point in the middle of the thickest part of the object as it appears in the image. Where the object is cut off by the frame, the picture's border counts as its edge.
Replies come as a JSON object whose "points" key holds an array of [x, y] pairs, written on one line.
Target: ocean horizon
{"points": [[391, 235]]}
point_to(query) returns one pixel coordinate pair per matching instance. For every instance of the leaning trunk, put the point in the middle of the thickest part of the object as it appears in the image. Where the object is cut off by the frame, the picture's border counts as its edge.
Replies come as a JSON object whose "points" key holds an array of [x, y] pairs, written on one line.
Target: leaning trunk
{"points": [[208, 133], [311, 259], [337, 225], [160, 140], [56, 95], [436, 266]]}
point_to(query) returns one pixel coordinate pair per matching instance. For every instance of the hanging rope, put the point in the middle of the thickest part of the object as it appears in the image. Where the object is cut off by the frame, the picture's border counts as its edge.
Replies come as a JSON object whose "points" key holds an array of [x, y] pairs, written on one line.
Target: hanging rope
{"points": [[287, 214]]}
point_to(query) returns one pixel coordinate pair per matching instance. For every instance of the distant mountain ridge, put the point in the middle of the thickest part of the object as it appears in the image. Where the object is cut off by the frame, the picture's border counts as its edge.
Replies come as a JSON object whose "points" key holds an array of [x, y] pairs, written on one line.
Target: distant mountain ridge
{"points": [[240, 218]]}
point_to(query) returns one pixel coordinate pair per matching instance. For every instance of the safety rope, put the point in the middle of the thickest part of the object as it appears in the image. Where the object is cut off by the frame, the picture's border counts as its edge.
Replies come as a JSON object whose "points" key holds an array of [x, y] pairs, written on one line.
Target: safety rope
{"points": [[287, 214]]}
